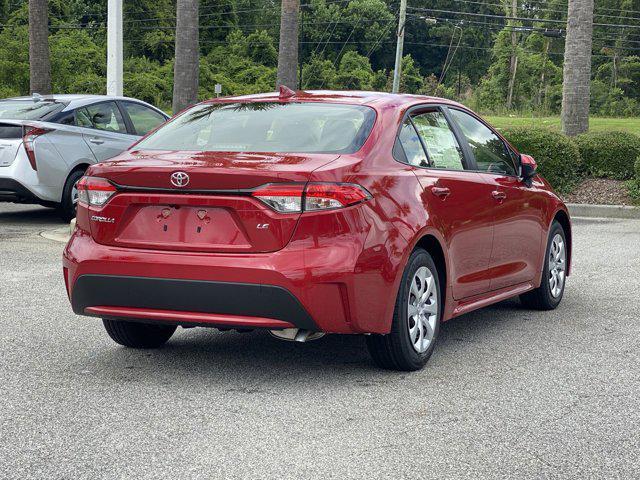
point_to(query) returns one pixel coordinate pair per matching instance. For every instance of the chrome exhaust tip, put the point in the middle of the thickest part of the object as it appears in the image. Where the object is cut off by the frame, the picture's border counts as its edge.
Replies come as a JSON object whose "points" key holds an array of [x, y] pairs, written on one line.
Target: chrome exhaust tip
{"points": [[296, 335]]}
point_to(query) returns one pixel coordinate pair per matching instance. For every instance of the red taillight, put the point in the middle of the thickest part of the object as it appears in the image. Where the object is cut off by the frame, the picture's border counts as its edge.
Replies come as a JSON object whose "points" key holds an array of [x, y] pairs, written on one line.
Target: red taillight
{"points": [[324, 196], [295, 198], [94, 191], [30, 134]]}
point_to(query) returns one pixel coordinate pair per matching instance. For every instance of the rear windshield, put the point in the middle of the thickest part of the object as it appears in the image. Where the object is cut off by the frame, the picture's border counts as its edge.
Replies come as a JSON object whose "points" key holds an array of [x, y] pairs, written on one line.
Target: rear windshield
{"points": [[266, 127], [10, 132], [28, 109]]}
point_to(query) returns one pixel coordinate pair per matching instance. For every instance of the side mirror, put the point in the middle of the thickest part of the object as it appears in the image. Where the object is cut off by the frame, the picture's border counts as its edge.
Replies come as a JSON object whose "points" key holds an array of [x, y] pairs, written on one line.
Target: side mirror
{"points": [[528, 168]]}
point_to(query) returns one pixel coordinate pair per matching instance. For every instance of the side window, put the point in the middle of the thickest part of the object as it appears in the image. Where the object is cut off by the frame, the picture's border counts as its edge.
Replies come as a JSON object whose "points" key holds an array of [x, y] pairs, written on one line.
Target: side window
{"points": [[411, 145], [144, 119], [101, 116], [67, 119], [489, 150], [441, 144]]}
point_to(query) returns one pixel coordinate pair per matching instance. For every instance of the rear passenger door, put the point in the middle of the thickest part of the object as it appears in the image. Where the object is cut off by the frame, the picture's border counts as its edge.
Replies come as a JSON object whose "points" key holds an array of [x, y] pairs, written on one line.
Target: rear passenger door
{"points": [[458, 202], [516, 207], [106, 130]]}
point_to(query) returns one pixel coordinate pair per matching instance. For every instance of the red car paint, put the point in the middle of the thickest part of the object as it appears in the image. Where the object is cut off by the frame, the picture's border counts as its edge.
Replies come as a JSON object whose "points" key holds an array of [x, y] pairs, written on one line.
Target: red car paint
{"points": [[343, 266]]}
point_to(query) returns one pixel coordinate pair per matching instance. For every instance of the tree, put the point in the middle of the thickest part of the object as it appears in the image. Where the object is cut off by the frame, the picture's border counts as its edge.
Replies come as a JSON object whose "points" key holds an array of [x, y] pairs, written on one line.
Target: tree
{"points": [[39, 63], [288, 48], [577, 67], [186, 65]]}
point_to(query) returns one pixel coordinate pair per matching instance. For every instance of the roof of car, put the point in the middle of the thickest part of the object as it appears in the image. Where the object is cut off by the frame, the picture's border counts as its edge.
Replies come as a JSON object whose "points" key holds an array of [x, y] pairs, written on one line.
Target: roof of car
{"points": [[67, 97], [75, 100], [353, 97]]}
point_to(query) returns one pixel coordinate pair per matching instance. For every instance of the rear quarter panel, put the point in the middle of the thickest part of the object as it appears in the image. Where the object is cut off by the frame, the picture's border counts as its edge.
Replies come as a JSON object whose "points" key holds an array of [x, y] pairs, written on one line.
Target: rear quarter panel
{"points": [[388, 227]]}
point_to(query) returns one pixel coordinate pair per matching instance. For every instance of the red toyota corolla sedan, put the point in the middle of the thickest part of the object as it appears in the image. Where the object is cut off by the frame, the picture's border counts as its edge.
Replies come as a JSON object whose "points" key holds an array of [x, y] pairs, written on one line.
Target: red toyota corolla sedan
{"points": [[307, 213]]}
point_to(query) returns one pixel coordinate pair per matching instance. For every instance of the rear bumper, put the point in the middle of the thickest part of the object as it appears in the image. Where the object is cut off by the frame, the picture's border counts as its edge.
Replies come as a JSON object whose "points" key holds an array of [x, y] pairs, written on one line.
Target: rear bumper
{"points": [[13, 191], [321, 289], [189, 302], [20, 183]]}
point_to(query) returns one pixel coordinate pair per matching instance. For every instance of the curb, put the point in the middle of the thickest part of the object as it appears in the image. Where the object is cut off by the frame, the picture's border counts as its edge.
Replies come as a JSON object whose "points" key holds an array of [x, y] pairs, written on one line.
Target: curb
{"points": [[58, 235], [61, 235], [603, 211]]}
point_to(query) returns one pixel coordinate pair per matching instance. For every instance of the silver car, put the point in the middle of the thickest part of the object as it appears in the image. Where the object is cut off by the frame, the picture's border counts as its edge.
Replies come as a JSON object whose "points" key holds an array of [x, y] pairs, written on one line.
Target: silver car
{"points": [[47, 143]]}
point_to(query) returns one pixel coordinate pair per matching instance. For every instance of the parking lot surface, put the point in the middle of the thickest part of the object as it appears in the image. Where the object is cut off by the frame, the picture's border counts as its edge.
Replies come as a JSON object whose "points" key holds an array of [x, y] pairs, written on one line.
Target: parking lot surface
{"points": [[508, 393]]}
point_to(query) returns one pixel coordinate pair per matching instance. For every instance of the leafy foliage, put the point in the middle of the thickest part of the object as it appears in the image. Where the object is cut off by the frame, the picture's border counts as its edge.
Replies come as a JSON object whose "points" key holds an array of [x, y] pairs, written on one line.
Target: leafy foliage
{"points": [[343, 45], [609, 154], [557, 156]]}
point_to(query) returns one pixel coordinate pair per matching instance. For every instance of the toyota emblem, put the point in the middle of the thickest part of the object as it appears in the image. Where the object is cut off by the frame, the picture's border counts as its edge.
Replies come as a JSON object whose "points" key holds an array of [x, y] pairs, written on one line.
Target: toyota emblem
{"points": [[179, 179]]}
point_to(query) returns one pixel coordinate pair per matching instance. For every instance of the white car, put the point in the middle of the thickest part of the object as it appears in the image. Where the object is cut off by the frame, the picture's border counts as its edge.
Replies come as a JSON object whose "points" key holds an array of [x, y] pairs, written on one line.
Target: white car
{"points": [[47, 143]]}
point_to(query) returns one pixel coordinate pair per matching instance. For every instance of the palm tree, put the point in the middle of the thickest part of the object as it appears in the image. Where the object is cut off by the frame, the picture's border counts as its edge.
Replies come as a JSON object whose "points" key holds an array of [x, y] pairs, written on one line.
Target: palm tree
{"points": [[577, 67], [288, 49], [186, 66], [39, 63]]}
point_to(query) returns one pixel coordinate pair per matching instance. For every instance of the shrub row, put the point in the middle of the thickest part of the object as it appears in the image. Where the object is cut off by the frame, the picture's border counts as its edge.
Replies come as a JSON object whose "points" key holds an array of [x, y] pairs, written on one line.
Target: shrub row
{"points": [[563, 161], [609, 154]]}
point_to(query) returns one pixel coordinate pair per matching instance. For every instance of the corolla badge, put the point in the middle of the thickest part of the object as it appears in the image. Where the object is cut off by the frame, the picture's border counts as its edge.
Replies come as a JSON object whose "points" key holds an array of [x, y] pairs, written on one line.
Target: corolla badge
{"points": [[179, 179]]}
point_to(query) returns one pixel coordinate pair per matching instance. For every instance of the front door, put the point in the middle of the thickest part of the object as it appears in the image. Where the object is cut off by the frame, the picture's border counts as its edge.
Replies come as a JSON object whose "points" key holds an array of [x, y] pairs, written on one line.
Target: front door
{"points": [[458, 201], [516, 209]]}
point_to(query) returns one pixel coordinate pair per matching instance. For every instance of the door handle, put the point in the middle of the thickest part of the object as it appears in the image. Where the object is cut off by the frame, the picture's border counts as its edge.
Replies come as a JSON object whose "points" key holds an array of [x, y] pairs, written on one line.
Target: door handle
{"points": [[96, 141], [442, 192], [498, 195]]}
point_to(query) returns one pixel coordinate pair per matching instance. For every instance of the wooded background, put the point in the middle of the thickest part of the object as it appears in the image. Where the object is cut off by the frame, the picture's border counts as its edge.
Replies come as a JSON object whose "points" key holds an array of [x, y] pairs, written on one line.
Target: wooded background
{"points": [[460, 49]]}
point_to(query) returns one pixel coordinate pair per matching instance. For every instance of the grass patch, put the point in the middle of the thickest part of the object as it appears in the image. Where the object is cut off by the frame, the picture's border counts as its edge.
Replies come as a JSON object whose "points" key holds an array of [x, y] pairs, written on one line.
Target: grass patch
{"points": [[596, 124]]}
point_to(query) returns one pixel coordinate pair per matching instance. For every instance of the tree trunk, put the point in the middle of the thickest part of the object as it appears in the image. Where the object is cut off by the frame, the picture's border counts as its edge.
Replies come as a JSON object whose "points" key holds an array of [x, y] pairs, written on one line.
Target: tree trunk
{"points": [[39, 63], [577, 67], [288, 49], [186, 67]]}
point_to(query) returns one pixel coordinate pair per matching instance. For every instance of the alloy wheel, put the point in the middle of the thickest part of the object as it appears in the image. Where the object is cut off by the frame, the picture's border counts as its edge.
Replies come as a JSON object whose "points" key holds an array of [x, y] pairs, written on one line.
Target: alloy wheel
{"points": [[422, 309], [557, 265]]}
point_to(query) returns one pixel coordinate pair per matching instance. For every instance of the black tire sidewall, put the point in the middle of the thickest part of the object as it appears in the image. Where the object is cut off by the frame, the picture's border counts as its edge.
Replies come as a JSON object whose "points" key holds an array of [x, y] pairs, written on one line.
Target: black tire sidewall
{"points": [[67, 208], [419, 258]]}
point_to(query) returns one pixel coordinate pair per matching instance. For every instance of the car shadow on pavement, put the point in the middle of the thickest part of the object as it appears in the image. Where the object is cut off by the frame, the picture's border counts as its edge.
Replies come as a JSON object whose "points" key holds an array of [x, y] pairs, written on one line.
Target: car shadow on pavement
{"points": [[250, 357], [33, 215]]}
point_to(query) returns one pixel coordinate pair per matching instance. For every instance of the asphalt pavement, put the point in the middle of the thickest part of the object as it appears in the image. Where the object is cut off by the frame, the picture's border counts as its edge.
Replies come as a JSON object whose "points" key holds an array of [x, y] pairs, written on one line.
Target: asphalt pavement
{"points": [[508, 393]]}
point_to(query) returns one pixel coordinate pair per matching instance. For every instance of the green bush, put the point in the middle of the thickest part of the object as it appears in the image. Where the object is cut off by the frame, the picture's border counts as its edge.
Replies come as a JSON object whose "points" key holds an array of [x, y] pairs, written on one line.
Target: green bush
{"points": [[638, 169], [557, 156], [609, 154]]}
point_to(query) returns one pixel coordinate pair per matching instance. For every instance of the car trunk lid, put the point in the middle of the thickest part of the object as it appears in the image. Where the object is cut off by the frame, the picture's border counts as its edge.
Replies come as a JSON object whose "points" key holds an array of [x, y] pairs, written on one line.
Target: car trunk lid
{"points": [[210, 210]]}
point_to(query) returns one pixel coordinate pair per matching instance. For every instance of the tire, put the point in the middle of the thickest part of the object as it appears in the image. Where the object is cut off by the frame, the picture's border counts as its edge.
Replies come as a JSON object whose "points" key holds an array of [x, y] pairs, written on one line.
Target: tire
{"points": [[545, 297], [67, 207], [396, 350], [138, 335]]}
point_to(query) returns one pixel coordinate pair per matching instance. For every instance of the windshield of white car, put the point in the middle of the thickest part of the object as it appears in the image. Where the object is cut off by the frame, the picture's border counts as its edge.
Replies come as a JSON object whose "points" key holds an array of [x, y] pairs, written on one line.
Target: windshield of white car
{"points": [[266, 127], [28, 109]]}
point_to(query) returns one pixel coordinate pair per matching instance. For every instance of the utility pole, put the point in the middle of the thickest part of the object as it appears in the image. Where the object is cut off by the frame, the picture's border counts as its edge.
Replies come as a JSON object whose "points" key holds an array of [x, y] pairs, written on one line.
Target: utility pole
{"points": [[513, 62], [114, 48], [397, 71]]}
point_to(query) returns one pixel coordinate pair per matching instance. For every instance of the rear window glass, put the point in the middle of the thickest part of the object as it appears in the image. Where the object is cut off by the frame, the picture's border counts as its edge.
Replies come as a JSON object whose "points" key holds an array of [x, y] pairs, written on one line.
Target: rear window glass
{"points": [[28, 109], [266, 127], [8, 132]]}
